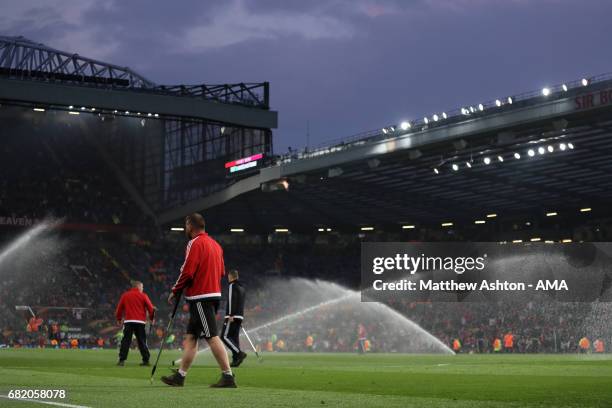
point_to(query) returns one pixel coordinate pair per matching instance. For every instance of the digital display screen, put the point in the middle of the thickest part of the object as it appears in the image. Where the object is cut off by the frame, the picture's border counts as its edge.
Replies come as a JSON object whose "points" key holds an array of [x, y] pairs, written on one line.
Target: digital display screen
{"points": [[239, 165]]}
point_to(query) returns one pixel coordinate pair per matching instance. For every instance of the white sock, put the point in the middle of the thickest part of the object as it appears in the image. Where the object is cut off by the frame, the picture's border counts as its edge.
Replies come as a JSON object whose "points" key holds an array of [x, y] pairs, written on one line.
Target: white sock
{"points": [[228, 372], [182, 373]]}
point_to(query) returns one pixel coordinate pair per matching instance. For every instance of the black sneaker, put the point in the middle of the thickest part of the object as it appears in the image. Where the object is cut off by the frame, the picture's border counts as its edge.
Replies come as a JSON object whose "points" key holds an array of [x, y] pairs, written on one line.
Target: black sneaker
{"points": [[121, 363], [174, 380], [226, 381], [145, 364], [239, 359]]}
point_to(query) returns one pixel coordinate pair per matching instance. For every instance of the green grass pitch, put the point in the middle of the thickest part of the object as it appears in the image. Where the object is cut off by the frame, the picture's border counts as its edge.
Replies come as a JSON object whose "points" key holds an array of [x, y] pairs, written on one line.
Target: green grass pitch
{"points": [[91, 379]]}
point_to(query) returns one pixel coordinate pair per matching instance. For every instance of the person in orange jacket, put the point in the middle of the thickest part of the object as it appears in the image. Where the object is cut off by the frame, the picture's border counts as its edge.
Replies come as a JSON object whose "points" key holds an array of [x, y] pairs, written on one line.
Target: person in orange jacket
{"points": [[509, 342], [456, 345], [584, 344], [497, 345]]}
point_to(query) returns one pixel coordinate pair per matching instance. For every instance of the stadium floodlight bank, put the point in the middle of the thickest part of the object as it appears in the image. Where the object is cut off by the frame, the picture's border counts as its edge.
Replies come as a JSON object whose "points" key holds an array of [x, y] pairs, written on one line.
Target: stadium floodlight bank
{"points": [[535, 138]]}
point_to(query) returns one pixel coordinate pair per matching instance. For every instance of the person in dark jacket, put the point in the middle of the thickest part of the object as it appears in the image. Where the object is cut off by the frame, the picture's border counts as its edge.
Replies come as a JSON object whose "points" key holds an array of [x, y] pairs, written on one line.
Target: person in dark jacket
{"points": [[234, 315]]}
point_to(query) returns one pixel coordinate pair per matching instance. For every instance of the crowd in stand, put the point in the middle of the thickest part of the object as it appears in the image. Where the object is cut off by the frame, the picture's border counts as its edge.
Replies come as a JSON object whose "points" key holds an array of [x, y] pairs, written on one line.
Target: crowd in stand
{"points": [[74, 282], [59, 174]]}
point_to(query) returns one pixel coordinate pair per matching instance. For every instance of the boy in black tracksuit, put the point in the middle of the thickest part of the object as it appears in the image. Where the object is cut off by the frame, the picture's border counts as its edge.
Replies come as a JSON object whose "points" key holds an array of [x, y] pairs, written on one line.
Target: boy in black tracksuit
{"points": [[234, 314]]}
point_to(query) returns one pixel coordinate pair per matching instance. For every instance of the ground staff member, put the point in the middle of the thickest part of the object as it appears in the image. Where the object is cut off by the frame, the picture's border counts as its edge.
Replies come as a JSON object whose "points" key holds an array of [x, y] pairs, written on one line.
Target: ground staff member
{"points": [[133, 308], [200, 282], [234, 315]]}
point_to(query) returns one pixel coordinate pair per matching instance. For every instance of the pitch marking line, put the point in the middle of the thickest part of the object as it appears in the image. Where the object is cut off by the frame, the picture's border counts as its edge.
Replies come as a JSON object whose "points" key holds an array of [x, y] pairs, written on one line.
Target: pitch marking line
{"points": [[57, 404]]}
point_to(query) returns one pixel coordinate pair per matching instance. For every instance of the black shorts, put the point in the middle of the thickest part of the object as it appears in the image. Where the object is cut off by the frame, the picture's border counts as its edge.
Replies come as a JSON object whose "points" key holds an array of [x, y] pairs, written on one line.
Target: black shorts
{"points": [[203, 318]]}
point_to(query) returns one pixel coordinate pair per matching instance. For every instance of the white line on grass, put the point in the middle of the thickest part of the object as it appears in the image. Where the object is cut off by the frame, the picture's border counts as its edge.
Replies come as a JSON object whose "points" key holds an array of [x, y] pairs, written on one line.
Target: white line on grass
{"points": [[57, 404]]}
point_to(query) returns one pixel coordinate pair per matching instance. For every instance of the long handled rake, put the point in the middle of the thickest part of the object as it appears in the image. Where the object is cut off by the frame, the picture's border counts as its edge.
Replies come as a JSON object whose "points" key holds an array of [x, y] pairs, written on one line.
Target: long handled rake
{"points": [[259, 358]]}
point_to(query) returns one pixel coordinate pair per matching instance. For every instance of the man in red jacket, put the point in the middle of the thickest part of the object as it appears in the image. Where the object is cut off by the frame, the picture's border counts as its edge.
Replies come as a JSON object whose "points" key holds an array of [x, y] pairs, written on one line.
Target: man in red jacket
{"points": [[132, 309], [200, 283]]}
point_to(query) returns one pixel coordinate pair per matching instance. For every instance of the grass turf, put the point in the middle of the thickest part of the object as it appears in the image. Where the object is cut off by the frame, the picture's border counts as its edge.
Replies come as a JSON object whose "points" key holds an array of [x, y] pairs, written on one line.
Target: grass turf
{"points": [[90, 378]]}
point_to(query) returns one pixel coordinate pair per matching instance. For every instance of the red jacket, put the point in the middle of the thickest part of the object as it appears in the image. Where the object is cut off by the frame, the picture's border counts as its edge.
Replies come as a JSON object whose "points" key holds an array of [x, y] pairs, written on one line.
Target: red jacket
{"points": [[134, 304], [202, 270]]}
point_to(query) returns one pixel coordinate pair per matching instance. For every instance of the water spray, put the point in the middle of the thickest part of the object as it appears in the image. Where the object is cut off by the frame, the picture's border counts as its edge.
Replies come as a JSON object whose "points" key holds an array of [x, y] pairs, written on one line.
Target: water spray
{"points": [[284, 318], [27, 237], [341, 294]]}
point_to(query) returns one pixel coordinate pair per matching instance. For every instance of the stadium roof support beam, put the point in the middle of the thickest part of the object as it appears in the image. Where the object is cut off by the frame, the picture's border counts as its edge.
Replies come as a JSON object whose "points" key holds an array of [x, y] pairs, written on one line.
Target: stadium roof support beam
{"points": [[31, 58], [64, 95], [27, 60]]}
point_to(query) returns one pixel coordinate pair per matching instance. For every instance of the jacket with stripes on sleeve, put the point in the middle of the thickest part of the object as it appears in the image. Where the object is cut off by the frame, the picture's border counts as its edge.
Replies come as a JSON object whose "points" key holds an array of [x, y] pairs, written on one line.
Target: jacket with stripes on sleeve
{"points": [[235, 300], [202, 270]]}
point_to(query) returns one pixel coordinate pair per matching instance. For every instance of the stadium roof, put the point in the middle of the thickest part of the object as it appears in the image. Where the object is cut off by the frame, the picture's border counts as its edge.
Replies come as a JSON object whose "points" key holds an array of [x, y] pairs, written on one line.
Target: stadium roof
{"points": [[437, 171], [35, 74]]}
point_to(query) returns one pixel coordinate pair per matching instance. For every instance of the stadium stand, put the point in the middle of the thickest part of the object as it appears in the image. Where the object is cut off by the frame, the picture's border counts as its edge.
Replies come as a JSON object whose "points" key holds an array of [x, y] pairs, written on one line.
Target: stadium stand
{"points": [[119, 159]]}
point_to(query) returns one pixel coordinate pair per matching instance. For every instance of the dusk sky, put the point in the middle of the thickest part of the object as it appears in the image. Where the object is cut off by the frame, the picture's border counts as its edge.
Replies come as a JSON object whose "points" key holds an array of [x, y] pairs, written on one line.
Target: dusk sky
{"points": [[346, 66]]}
